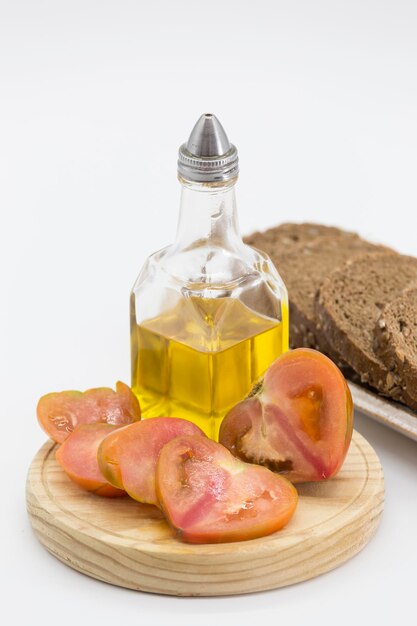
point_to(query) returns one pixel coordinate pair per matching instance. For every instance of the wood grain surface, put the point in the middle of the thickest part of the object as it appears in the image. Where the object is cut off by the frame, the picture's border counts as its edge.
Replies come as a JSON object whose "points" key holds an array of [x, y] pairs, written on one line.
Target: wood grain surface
{"points": [[386, 412], [129, 544]]}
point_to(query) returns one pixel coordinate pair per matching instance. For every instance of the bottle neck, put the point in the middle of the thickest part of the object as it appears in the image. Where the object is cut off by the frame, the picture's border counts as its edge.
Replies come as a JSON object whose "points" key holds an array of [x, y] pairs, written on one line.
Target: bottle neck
{"points": [[208, 215]]}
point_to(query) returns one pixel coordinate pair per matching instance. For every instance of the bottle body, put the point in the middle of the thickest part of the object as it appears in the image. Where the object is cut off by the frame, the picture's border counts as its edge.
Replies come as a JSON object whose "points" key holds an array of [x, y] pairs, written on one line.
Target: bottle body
{"points": [[208, 315], [172, 376]]}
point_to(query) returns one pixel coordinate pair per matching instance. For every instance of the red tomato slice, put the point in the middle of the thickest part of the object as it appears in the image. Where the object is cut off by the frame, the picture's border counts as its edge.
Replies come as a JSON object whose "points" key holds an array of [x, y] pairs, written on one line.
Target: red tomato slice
{"points": [[209, 496], [127, 458], [299, 423], [78, 457], [60, 412]]}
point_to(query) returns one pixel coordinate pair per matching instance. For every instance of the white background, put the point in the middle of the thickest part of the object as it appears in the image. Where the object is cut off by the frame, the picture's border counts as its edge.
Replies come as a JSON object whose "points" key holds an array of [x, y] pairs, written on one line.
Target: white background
{"points": [[95, 98]]}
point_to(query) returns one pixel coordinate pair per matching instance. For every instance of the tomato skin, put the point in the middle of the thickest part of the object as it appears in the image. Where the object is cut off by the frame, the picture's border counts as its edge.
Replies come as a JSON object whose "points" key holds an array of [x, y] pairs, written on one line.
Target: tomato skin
{"points": [[210, 496], [78, 458], [300, 421], [60, 412], [128, 457]]}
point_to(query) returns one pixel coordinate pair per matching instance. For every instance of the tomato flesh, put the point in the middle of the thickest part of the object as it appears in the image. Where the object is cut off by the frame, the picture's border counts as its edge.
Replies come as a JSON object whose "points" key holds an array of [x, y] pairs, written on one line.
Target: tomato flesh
{"points": [[300, 421], [127, 458], [78, 457], [210, 496], [60, 412]]}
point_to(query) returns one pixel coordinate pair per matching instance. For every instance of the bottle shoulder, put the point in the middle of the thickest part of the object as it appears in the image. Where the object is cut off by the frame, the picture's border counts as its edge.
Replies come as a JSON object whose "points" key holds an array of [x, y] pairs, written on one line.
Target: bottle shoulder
{"points": [[209, 265], [202, 276]]}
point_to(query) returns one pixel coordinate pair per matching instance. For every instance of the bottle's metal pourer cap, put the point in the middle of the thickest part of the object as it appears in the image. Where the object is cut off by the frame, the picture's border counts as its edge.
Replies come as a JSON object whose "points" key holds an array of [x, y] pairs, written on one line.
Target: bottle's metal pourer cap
{"points": [[208, 156]]}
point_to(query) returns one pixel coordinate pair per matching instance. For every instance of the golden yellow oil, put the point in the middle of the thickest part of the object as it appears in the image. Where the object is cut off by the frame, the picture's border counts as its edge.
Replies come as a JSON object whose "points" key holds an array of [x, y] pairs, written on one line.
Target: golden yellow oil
{"points": [[199, 359]]}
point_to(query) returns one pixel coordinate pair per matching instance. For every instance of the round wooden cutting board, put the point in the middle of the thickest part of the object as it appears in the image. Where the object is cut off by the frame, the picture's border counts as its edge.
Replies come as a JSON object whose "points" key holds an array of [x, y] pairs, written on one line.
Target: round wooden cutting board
{"points": [[129, 544]]}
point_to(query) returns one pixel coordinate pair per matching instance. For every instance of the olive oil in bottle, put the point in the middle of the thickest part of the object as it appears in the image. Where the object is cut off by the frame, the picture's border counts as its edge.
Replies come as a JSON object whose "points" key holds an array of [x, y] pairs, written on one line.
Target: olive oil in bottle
{"points": [[208, 313], [186, 370]]}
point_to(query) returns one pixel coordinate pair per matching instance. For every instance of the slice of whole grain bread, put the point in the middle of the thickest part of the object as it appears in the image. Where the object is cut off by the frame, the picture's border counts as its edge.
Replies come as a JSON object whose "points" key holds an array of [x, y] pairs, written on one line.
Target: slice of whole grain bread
{"points": [[304, 254], [348, 306], [395, 339], [303, 270]]}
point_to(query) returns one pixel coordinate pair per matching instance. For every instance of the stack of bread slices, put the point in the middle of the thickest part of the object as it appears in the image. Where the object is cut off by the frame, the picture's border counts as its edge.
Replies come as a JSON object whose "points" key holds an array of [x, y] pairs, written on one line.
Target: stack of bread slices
{"points": [[353, 300]]}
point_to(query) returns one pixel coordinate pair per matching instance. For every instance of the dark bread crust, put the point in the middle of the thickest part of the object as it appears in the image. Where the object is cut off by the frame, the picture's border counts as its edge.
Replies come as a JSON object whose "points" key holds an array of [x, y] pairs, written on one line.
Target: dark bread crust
{"points": [[348, 305], [281, 239], [395, 339]]}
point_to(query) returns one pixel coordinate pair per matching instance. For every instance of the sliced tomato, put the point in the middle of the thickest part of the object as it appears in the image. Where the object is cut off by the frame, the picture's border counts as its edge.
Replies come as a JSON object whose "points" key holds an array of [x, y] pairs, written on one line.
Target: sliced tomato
{"points": [[298, 423], [127, 458], [60, 412], [78, 457], [209, 496]]}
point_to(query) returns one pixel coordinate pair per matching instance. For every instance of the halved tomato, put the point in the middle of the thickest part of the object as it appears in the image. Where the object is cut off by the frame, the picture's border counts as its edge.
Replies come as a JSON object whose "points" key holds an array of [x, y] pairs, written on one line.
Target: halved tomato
{"points": [[209, 496], [127, 458], [298, 423], [78, 457], [60, 412]]}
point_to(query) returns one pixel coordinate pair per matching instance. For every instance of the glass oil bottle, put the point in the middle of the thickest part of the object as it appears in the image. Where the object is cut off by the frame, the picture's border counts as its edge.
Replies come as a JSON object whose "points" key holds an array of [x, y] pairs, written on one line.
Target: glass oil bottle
{"points": [[209, 314]]}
